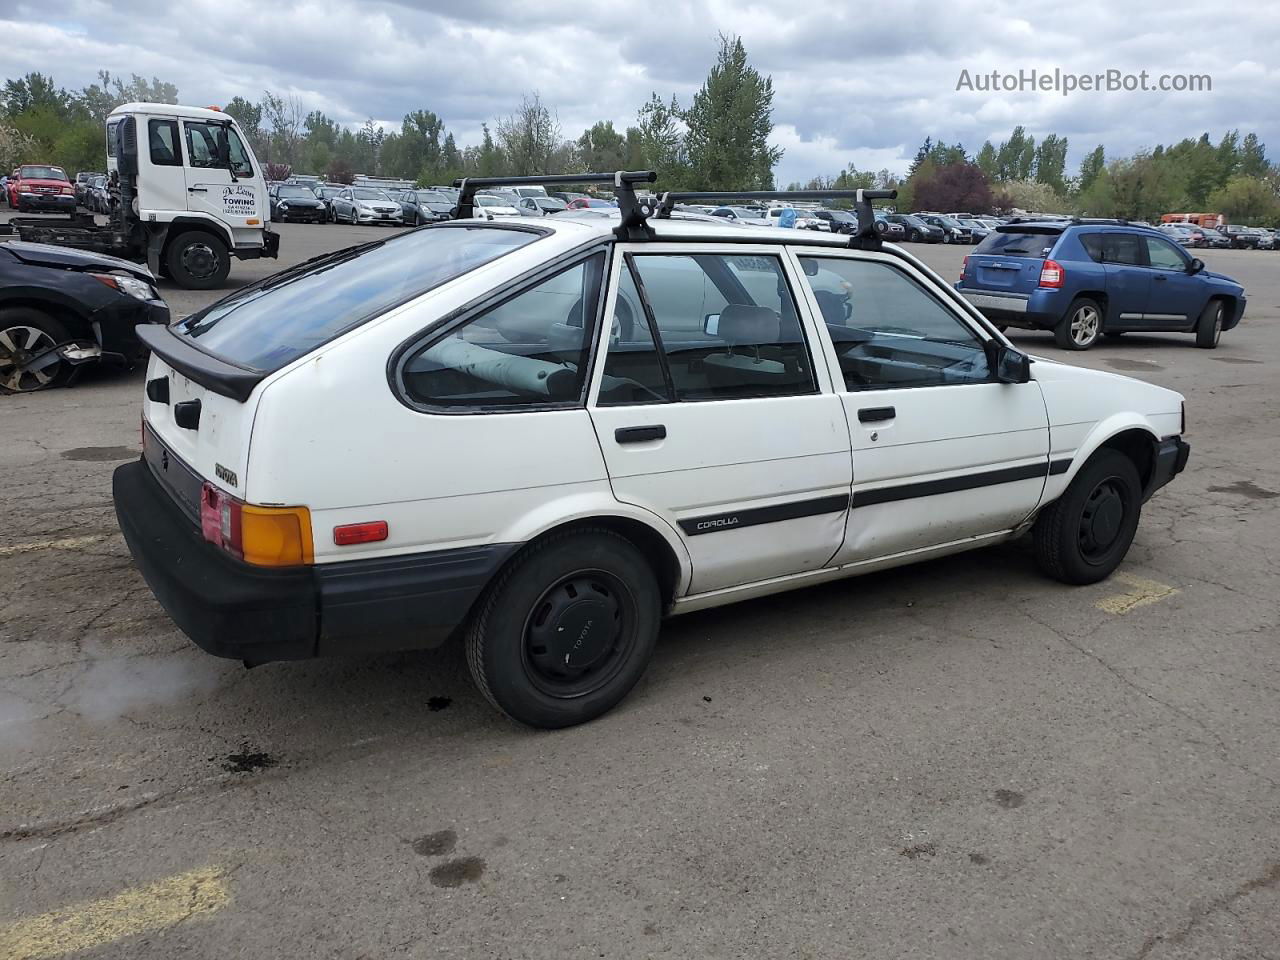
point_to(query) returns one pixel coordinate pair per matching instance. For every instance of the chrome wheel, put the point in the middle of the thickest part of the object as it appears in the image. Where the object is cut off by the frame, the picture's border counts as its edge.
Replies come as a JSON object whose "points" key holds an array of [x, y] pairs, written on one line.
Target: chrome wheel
{"points": [[1085, 325], [18, 345]]}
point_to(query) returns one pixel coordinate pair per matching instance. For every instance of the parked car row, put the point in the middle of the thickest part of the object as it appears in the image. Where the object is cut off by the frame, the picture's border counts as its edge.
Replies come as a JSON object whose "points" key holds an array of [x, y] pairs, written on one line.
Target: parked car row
{"points": [[1229, 236]]}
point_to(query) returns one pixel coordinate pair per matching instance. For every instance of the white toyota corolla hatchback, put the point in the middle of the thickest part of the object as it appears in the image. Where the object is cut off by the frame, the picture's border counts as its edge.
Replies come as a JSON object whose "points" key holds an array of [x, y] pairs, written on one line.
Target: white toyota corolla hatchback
{"points": [[543, 435]]}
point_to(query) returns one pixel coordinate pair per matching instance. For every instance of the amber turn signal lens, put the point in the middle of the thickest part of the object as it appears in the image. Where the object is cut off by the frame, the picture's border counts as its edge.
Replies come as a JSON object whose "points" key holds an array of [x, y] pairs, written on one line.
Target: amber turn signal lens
{"points": [[276, 536]]}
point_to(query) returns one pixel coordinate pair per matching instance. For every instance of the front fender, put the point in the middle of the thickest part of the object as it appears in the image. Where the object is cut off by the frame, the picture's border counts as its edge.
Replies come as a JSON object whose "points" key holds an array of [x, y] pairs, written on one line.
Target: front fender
{"points": [[589, 505], [1094, 439]]}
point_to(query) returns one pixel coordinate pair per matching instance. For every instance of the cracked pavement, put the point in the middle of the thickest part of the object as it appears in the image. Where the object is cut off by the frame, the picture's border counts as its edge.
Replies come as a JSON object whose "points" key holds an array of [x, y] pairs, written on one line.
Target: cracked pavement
{"points": [[958, 759]]}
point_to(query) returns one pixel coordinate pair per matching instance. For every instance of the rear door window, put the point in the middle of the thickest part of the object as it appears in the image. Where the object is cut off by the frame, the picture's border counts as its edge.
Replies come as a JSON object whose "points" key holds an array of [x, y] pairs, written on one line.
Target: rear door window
{"points": [[274, 322], [1122, 248], [1092, 243], [1020, 244]]}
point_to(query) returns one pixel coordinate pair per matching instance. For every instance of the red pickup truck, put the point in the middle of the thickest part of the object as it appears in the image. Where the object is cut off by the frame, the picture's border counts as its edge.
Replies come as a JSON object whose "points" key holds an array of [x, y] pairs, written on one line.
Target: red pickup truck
{"points": [[38, 186]]}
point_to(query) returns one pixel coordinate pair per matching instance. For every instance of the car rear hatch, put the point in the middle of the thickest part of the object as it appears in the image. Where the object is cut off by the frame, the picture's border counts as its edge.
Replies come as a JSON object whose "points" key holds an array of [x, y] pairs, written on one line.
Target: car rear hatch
{"points": [[1009, 259]]}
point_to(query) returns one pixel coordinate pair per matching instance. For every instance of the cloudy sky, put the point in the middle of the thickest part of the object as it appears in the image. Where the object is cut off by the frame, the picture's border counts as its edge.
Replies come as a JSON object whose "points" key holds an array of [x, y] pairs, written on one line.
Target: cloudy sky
{"points": [[854, 81]]}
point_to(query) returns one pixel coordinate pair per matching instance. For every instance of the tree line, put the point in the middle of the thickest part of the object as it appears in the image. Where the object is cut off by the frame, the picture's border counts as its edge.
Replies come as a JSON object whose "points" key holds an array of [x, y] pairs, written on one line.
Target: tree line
{"points": [[1194, 175], [720, 140]]}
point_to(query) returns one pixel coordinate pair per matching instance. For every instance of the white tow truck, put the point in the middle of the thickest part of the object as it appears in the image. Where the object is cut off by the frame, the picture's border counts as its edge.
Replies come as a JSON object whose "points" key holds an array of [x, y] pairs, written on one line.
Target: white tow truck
{"points": [[187, 196]]}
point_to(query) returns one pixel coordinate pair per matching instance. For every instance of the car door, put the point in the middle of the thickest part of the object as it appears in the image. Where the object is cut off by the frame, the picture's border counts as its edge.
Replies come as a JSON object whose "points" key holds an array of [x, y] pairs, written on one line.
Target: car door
{"points": [[343, 205], [1128, 280], [712, 414], [1176, 296], [942, 453], [164, 180], [226, 188]]}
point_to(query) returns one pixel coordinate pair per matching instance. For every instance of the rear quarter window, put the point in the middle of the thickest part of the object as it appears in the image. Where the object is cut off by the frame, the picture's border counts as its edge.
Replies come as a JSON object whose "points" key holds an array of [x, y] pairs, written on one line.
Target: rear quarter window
{"points": [[272, 323], [1019, 244]]}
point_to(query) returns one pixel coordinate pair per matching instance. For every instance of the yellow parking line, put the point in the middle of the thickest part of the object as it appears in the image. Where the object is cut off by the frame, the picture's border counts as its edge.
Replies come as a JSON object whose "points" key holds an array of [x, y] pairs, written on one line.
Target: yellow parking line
{"points": [[66, 543], [1142, 592], [97, 922]]}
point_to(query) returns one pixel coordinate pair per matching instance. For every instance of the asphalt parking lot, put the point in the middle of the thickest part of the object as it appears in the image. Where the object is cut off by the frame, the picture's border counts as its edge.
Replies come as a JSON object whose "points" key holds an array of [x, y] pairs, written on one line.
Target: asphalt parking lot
{"points": [[960, 759]]}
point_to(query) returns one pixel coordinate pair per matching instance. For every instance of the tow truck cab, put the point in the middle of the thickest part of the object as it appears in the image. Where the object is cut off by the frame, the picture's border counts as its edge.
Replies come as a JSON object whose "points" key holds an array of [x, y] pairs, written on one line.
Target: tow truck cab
{"points": [[199, 195], [187, 196]]}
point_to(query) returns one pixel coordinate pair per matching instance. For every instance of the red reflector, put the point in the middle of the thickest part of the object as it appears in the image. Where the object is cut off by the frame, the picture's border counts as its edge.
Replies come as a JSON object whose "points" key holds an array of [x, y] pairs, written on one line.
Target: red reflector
{"points": [[1052, 274], [964, 268], [350, 533]]}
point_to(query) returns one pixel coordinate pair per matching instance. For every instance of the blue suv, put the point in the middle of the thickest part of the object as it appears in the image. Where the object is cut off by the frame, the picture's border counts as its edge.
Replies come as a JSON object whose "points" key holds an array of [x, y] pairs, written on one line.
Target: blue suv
{"points": [[1083, 279]]}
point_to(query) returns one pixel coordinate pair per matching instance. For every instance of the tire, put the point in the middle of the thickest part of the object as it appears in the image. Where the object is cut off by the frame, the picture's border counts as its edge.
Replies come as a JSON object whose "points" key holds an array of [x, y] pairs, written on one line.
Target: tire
{"points": [[24, 331], [1084, 535], [1080, 326], [568, 582], [198, 260], [914, 236], [1209, 326]]}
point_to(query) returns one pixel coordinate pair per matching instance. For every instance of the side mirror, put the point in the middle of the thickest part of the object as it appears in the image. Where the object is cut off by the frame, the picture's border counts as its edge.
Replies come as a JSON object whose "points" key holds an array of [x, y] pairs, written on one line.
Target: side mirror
{"points": [[1008, 365], [1195, 266], [711, 324]]}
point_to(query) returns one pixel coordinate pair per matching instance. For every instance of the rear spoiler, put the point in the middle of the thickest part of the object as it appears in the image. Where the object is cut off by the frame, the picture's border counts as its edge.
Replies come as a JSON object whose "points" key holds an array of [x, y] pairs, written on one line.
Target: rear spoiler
{"points": [[222, 377]]}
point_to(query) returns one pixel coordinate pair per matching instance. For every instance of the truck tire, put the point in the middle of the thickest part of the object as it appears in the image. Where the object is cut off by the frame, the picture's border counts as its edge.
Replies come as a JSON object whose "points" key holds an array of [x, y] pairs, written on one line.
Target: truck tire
{"points": [[585, 595], [23, 331], [197, 260], [1084, 535], [1209, 326]]}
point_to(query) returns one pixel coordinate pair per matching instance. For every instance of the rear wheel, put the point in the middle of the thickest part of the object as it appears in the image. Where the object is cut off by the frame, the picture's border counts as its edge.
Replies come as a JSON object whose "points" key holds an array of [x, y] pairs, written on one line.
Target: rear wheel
{"points": [[1080, 327], [566, 631], [1084, 535], [1209, 327], [25, 334], [198, 260]]}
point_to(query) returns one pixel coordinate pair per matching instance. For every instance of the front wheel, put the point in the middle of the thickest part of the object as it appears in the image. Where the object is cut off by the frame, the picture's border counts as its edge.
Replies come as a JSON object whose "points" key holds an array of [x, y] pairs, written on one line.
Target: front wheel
{"points": [[1209, 326], [25, 334], [1080, 327], [914, 236], [566, 630], [1084, 535], [198, 260]]}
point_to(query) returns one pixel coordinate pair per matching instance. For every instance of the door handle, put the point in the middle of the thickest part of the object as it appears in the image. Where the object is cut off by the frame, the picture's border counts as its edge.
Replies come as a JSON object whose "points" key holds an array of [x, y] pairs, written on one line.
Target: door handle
{"points": [[197, 190], [1161, 277], [654, 431], [876, 414]]}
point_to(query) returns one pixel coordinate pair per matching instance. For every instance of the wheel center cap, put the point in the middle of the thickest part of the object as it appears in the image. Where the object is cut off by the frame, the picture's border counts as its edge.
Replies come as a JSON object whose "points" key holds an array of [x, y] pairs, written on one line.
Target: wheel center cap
{"points": [[1106, 520], [584, 635]]}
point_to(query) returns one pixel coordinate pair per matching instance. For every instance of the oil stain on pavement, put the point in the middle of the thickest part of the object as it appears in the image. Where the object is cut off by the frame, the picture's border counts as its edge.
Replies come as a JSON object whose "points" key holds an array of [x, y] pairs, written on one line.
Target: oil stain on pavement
{"points": [[454, 873], [1010, 799], [1246, 488], [247, 760], [436, 844]]}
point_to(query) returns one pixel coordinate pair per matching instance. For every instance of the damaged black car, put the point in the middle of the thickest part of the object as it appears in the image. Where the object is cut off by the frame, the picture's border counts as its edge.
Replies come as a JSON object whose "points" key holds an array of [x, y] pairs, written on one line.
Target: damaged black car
{"points": [[62, 309]]}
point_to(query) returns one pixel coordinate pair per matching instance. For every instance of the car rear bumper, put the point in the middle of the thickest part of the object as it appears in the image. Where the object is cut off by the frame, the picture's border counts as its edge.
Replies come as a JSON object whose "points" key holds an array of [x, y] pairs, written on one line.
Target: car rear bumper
{"points": [[1028, 311], [235, 610], [1170, 460]]}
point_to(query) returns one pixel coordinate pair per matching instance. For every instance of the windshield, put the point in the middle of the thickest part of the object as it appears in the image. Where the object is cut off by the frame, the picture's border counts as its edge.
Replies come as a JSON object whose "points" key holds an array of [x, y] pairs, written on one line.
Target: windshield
{"points": [[430, 196], [1012, 244], [368, 193], [43, 173], [275, 322], [547, 204], [487, 201], [300, 192]]}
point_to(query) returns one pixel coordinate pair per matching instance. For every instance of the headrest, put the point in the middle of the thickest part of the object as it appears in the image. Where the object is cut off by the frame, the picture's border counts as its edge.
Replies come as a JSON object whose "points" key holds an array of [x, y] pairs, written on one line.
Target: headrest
{"points": [[743, 325]]}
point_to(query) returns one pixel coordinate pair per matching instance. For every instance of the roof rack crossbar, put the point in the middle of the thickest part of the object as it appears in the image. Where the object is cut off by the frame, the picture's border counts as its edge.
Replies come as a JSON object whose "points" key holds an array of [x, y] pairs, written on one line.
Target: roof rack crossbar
{"points": [[634, 212], [865, 238]]}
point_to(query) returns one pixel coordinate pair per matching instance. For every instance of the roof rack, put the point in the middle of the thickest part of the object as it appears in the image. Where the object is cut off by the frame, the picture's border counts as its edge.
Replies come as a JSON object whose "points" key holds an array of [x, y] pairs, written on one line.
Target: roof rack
{"points": [[866, 238], [635, 211]]}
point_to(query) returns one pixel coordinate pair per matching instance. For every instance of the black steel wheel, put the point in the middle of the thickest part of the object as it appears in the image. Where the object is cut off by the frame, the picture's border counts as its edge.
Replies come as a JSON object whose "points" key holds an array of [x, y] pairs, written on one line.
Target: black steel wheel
{"points": [[1085, 534], [566, 630]]}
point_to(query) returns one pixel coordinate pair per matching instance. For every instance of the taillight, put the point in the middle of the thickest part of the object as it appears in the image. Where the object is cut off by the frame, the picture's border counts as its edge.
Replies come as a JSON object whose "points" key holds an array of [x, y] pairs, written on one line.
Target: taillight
{"points": [[1052, 274], [263, 536], [964, 268]]}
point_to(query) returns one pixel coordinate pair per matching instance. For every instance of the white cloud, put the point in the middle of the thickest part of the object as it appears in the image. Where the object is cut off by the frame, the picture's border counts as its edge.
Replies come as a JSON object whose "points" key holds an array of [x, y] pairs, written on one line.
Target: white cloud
{"points": [[852, 83]]}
